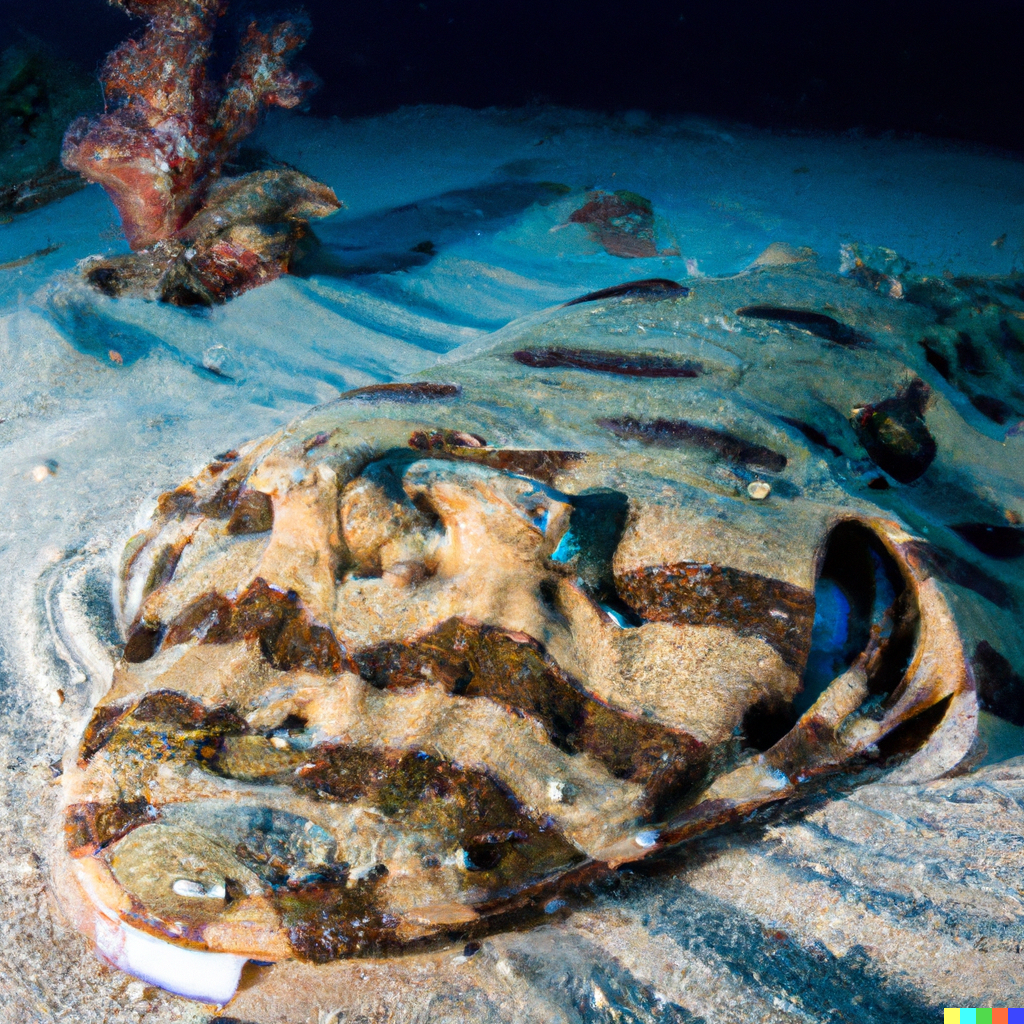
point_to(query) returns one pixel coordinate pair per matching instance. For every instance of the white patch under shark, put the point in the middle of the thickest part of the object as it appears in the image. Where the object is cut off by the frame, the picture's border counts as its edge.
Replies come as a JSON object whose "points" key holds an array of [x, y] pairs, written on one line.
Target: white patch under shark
{"points": [[205, 977]]}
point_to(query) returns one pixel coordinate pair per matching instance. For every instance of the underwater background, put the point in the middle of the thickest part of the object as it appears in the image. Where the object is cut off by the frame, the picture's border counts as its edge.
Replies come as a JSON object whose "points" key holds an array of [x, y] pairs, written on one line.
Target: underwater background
{"points": [[464, 140]]}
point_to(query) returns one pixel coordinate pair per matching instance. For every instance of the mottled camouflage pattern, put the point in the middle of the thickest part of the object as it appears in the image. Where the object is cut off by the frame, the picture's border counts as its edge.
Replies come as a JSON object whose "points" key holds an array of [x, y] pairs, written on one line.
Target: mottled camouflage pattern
{"points": [[439, 654]]}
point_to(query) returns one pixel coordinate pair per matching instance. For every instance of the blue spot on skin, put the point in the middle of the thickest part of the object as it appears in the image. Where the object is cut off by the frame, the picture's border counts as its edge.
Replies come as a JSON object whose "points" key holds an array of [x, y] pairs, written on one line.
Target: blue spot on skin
{"points": [[568, 548], [830, 636], [620, 621]]}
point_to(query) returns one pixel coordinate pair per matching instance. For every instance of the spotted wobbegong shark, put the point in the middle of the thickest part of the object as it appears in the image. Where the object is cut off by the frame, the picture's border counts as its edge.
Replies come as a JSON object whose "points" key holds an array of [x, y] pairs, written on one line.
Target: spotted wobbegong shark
{"points": [[624, 572]]}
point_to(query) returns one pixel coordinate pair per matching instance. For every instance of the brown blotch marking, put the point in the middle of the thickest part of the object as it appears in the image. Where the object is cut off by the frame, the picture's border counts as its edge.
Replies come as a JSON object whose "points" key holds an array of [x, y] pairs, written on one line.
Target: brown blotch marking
{"points": [[812, 434], [799, 750], [147, 727], [674, 433], [89, 827], [471, 660], [207, 618], [712, 595], [306, 646], [143, 642], [652, 288], [932, 560], [333, 929], [539, 464], [894, 434], [423, 391], [1000, 688], [101, 727], [316, 441], [180, 500], [440, 804], [622, 223], [993, 408], [623, 364], [169, 707], [185, 500], [453, 441], [221, 503], [288, 636], [224, 721], [253, 512], [1001, 541], [332, 920], [818, 324], [167, 726]]}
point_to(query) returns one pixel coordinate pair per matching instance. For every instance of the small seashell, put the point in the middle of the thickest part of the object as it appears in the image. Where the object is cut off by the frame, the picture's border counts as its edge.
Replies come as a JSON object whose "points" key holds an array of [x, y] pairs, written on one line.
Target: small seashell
{"points": [[196, 890], [759, 490], [136, 991], [186, 887]]}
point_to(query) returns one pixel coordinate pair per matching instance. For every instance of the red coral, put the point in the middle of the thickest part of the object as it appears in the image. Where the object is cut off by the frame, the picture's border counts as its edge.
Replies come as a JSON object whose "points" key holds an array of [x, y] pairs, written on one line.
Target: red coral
{"points": [[167, 129]]}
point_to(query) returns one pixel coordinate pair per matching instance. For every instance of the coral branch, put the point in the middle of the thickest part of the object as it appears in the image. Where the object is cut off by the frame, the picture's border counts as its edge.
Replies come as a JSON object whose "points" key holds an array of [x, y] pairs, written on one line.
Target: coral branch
{"points": [[160, 147], [167, 130], [260, 78]]}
